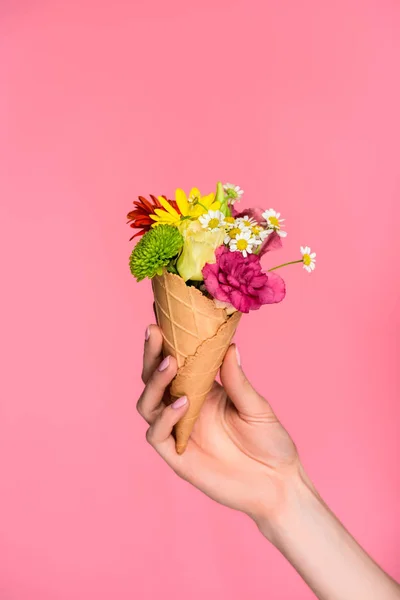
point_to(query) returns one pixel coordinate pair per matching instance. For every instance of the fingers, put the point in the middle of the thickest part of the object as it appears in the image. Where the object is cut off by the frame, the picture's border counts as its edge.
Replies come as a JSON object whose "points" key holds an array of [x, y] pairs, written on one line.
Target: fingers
{"points": [[152, 351], [247, 401], [149, 402], [159, 434]]}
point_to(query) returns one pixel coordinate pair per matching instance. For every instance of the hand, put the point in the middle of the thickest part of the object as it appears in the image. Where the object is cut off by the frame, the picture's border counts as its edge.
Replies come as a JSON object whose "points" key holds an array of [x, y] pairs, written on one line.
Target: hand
{"points": [[239, 454]]}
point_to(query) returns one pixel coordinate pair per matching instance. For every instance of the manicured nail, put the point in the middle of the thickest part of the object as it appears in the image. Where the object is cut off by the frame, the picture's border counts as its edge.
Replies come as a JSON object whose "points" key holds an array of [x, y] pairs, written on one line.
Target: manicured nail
{"points": [[179, 403], [238, 356], [147, 334], [164, 364]]}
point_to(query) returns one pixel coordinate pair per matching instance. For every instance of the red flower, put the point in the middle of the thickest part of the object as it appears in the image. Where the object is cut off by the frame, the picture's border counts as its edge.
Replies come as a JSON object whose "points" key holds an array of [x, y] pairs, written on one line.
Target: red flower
{"points": [[139, 218]]}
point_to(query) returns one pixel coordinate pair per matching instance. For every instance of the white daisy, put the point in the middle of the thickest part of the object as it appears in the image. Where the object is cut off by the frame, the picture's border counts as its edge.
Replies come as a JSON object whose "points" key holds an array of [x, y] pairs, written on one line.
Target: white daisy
{"points": [[229, 222], [233, 229], [212, 220], [244, 242], [260, 232], [231, 234], [309, 258], [274, 222], [232, 192], [247, 222]]}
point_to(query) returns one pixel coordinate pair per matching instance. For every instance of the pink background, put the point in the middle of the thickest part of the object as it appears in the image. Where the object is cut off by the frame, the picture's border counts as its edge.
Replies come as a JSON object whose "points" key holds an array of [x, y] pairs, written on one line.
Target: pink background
{"points": [[298, 102]]}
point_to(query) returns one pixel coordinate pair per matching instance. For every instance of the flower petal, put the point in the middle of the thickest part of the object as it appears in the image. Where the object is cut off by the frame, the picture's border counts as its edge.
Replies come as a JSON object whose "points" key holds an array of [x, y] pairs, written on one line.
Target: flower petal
{"points": [[182, 201], [207, 200], [274, 291], [212, 284], [240, 301], [168, 208], [164, 216], [215, 205], [195, 193], [272, 242]]}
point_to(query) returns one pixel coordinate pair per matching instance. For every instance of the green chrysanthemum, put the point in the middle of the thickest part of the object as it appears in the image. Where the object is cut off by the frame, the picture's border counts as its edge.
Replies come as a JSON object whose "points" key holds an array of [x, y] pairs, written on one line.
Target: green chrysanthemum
{"points": [[154, 251]]}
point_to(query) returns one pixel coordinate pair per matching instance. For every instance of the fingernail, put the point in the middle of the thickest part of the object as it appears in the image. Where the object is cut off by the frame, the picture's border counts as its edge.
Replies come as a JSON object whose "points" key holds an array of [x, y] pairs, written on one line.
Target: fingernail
{"points": [[238, 356], [164, 364], [179, 403], [147, 334]]}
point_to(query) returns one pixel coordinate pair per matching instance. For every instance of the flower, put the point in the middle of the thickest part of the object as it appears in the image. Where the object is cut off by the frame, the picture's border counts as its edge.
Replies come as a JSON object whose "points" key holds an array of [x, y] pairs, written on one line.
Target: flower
{"points": [[229, 222], [245, 221], [214, 219], [231, 234], [154, 251], [309, 258], [274, 222], [233, 193], [255, 217], [140, 218], [260, 232], [244, 243], [241, 282], [196, 204], [191, 207], [198, 249], [233, 228]]}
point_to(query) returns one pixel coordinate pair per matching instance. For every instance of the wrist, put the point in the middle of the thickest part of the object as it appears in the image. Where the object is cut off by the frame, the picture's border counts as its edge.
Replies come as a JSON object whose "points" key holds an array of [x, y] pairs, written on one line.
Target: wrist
{"points": [[297, 492]]}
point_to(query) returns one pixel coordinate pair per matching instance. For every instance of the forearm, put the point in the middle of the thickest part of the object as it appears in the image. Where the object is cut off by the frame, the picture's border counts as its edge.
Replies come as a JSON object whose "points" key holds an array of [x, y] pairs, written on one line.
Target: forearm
{"points": [[323, 552]]}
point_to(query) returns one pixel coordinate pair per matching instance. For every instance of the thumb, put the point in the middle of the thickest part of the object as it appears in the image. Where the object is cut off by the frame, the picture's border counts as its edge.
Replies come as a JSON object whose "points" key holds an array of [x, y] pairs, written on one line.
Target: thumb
{"points": [[247, 401]]}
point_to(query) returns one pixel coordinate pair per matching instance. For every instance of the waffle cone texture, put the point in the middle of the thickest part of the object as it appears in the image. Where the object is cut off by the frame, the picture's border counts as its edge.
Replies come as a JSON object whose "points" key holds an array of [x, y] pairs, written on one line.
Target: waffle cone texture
{"points": [[197, 334]]}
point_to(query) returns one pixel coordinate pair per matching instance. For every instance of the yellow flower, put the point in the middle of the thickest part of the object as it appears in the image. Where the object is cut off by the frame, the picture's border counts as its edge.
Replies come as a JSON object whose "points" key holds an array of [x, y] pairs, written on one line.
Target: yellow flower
{"points": [[191, 208], [198, 249], [196, 204]]}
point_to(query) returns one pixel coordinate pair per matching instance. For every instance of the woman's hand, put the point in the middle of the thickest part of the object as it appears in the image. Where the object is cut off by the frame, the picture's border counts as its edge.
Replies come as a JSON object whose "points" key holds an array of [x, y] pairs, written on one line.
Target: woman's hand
{"points": [[239, 454]]}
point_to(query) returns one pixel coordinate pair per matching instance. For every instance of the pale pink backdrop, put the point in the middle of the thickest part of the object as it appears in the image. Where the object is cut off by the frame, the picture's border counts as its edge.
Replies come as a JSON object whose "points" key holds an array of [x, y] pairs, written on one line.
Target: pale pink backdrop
{"points": [[298, 102]]}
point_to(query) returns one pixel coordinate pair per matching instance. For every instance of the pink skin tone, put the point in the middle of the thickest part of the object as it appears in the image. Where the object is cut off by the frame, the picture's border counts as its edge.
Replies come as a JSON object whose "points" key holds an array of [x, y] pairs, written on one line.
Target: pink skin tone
{"points": [[241, 456]]}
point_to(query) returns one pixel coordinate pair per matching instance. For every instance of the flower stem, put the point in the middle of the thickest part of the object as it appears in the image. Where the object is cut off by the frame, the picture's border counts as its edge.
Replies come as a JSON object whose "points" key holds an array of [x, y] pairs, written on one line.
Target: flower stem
{"points": [[293, 262]]}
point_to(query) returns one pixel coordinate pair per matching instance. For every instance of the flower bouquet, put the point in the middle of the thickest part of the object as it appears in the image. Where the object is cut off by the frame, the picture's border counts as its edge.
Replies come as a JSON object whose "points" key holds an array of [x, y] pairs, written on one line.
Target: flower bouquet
{"points": [[204, 260]]}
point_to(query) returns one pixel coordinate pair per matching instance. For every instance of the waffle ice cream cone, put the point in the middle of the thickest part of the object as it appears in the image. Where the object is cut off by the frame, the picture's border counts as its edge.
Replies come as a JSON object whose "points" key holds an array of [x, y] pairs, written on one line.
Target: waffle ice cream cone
{"points": [[197, 334]]}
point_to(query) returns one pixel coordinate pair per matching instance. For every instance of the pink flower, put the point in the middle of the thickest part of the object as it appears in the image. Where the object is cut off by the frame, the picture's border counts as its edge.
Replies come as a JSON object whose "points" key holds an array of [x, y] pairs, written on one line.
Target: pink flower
{"points": [[241, 282]]}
